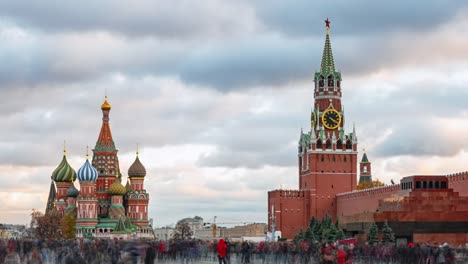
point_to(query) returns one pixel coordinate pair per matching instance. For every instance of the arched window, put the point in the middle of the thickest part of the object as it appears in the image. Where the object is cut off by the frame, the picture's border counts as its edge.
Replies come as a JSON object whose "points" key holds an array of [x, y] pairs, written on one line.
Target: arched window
{"points": [[319, 144], [321, 81], [329, 144], [365, 168], [330, 81], [339, 144], [349, 145]]}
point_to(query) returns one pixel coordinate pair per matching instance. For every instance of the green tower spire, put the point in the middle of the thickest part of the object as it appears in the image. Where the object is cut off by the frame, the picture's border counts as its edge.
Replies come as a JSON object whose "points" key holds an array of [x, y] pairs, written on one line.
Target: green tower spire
{"points": [[327, 66]]}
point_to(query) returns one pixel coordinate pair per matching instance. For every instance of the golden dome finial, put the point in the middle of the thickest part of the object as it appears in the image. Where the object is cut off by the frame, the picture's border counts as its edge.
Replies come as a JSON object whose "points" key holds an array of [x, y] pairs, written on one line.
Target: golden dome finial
{"points": [[87, 150], [137, 149], [105, 105], [64, 148]]}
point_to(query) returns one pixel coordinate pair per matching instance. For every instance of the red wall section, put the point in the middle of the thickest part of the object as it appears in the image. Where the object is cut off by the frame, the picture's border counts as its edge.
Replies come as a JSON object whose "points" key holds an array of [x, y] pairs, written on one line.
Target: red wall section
{"points": [[291, 210], [363, 201], [459, 182]]}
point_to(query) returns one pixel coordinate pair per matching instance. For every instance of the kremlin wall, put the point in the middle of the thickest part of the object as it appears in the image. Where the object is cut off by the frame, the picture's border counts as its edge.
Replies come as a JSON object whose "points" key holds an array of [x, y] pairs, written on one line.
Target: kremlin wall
{"points": [[421, 208]]}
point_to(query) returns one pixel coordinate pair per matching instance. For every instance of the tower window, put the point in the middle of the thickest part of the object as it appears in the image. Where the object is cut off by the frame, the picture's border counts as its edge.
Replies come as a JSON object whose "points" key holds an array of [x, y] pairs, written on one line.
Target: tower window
{"points": [[329, 145], [365, 168], [319, 144], [330, 81]]}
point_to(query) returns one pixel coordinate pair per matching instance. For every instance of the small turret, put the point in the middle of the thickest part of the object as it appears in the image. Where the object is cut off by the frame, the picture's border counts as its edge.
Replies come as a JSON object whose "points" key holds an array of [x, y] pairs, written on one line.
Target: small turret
{"points": [[365, 169]]}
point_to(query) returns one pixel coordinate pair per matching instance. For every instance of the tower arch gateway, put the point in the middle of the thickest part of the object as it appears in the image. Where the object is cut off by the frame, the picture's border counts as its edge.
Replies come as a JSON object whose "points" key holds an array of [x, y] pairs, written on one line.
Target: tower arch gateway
{"points": [[331, 161]]}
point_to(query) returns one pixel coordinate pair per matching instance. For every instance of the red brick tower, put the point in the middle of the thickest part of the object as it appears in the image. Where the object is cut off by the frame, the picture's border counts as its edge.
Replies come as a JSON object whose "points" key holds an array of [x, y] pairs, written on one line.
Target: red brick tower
{"points": [[365, 172], [106, 161], [137, 198], [87, 201], [327, 156]]}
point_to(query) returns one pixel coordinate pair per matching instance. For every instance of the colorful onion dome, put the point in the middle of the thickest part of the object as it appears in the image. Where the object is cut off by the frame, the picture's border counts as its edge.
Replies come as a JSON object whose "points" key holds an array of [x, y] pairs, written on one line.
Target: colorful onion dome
{"points": [[137, 169], [87, 172], [64, 172], [117, 188], [106, 105], [72, 191]]}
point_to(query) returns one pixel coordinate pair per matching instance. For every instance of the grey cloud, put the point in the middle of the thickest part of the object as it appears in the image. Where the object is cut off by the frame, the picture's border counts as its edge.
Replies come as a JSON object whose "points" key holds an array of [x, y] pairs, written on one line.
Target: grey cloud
{"points": [[305, 18], [246, 63], [168, 19]]}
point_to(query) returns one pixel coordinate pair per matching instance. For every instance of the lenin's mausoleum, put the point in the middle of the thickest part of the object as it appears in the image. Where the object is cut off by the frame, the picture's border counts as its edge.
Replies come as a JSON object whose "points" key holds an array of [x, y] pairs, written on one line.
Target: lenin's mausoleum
{"points": [[421, 208]]}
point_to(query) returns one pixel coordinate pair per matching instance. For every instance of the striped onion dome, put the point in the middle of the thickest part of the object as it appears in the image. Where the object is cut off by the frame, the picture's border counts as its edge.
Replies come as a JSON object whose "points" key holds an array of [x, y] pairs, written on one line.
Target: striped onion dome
{"points": [[137, 169], [64, 172], [72, 191], [87, 172], [117, 188]]}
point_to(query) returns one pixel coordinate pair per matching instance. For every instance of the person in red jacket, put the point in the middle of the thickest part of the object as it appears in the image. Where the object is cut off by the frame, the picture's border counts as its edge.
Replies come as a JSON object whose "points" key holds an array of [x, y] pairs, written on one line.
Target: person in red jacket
{"points": [[341, 255], [222, 247]]}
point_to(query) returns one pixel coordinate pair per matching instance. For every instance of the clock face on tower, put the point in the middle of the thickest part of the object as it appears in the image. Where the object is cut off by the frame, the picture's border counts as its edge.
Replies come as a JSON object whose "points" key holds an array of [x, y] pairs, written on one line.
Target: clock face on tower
{"points": [[331, 118]]}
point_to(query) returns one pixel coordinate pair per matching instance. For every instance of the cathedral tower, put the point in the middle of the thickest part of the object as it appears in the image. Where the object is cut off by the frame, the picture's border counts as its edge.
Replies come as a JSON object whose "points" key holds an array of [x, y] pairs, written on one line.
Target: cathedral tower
{"points": [[327, 155], [137, 198], [63, 176], [87, 200], [106, 161]]}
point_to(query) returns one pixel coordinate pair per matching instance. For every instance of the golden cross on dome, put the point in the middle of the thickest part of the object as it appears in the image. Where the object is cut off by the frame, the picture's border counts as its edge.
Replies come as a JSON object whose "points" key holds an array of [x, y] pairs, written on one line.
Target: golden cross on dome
{"points": [[137, 149], [87, 149], [64, 148]]}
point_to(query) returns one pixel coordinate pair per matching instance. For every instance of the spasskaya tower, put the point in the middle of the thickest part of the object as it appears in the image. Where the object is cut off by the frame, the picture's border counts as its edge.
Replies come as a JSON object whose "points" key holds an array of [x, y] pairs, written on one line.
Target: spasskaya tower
{"points": [[327, 156]]}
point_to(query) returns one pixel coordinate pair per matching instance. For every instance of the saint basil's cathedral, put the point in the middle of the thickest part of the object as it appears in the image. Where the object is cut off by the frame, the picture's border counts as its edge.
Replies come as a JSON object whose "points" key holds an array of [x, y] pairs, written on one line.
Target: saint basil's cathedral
{"points": [[103, 207]]}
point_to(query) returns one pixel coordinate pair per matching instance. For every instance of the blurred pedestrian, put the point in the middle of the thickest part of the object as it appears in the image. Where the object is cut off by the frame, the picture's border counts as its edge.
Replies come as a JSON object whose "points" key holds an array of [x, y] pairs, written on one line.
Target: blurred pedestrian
{"points": [[221, 250]]}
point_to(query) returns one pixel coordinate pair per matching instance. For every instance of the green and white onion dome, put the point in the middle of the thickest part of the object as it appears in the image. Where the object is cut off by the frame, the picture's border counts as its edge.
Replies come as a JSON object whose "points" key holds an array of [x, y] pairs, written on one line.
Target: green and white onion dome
{"points": [[64, 172]]}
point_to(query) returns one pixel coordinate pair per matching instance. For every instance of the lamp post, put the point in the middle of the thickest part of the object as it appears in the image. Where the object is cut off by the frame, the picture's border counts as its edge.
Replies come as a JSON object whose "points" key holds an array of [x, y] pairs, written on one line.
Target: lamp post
{"points": [[273, 223]]}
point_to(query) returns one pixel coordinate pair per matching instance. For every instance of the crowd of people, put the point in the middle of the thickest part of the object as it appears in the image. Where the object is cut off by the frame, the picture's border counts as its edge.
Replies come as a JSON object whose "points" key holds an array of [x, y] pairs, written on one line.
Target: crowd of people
{"points": [[221, 251]]}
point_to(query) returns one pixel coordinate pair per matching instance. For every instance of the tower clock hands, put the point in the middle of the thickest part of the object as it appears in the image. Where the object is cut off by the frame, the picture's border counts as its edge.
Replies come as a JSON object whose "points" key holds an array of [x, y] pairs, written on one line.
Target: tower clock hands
{"points": [[334, 120]]}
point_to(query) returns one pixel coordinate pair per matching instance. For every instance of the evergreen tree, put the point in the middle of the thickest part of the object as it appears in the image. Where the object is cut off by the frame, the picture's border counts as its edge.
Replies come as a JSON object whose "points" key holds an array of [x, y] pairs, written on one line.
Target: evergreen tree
{"points": [[309, 235], [331, 233], [300, 236], [372, 234], [340, 234], [316, 228], [387, 233], [327, 221], [313, 222]]}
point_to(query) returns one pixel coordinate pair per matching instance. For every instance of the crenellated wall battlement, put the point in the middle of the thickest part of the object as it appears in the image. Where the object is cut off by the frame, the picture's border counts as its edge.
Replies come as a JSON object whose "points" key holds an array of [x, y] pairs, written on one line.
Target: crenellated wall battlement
{"points": [[460, 176], [290, 193], [370, 192]]}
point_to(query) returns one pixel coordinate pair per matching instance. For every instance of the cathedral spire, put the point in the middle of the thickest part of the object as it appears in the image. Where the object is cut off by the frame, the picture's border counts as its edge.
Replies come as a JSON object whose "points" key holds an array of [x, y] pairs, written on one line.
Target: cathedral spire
{"points": [[105, 141], [328, 64]]}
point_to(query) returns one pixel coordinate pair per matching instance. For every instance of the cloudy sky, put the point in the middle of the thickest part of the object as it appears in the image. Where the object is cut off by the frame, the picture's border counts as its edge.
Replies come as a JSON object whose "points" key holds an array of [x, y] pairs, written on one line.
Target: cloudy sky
{"points": [[216, 93]]}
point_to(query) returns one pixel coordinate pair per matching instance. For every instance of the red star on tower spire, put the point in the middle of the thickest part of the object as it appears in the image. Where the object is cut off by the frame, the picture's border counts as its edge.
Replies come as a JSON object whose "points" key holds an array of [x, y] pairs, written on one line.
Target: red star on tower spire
{"points": [[327, 23]]}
